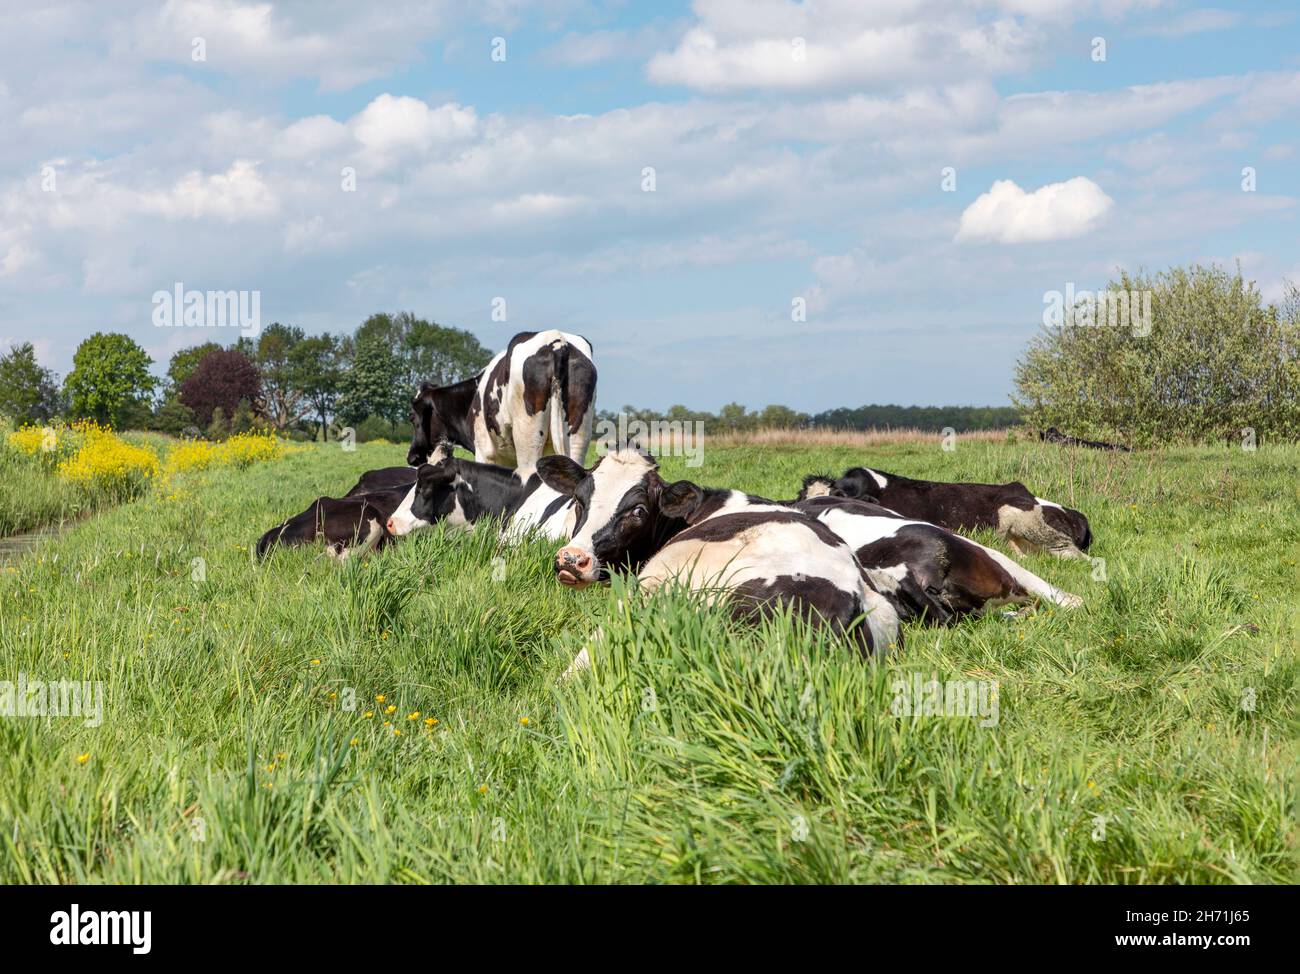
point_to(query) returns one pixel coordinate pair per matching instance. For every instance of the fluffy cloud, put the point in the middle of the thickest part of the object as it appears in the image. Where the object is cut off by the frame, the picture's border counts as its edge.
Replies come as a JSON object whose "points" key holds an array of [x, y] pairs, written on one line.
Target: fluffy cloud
{"points": [[1058, 211]]}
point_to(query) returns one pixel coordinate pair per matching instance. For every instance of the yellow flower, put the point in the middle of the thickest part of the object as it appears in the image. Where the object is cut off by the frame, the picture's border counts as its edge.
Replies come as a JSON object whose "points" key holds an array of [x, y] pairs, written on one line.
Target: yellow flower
{"points": [[413, 715], [391, 708], [379, 697], [397, 731], [355, 741], [368, 713], [315, 662], [334, 696], [482, 789], [524, 721], [83, 758], [430, 721]]}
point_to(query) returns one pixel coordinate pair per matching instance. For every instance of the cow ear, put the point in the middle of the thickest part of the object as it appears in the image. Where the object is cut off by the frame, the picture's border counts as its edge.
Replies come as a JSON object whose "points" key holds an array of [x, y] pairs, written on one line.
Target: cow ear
{"points": [[681, 499], [561, 474], [435, 474]]}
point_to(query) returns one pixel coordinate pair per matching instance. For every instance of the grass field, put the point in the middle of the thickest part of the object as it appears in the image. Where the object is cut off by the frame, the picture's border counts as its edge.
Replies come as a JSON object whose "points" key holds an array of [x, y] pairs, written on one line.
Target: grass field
{"points": [[1147, 737]]}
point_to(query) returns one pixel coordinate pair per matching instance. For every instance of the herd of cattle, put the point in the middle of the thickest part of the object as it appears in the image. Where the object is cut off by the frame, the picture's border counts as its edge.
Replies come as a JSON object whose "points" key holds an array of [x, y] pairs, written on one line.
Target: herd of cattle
{"points": [[859, 554]]}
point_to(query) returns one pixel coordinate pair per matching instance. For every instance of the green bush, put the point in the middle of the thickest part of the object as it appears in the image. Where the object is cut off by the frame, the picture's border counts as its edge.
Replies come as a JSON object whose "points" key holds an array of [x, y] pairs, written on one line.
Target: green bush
{"points": [[1216, 362]]}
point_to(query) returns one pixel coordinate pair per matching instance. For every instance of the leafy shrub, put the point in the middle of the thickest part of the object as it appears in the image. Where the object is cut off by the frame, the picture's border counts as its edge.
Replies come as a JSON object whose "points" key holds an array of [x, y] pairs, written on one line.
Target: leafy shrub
{"points": [[1209, 362]]}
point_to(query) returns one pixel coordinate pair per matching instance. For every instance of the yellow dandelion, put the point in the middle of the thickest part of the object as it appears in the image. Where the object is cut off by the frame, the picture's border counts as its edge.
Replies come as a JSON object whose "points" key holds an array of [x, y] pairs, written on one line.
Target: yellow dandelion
{"points": [[355, 741], [368, 713], [397, 731], [413, 715], [315, 662], [482, 789], [430, 721], [380, 698], [524, 721], [83, 758], [391, 708], [334, 696]]}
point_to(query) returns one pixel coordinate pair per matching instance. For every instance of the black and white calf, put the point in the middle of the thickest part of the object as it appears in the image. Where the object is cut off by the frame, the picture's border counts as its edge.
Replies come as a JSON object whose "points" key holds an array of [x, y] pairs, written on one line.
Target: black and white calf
{"points": [[349, 526], [461, 492], [1028, 523], [537, 396], [755, 553], [960, 575]]}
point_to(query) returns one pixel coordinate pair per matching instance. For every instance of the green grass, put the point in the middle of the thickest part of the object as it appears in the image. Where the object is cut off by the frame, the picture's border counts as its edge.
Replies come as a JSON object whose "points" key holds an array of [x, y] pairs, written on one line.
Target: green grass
{"points": [[696, 750]]}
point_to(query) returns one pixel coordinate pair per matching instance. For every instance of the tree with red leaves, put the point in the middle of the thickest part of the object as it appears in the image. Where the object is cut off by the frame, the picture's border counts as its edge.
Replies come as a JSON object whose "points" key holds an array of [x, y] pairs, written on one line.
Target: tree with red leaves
{"points": [[221, 379]]}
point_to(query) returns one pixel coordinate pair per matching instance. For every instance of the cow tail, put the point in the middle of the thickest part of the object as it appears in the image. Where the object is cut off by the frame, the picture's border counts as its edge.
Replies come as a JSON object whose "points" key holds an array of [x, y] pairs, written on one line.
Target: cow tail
{"points": [[559, 412]]}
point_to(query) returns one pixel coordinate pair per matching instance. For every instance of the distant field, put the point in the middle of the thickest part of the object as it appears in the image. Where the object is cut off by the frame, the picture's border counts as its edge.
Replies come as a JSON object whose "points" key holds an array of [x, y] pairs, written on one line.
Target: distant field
{"points": [[1147, 737]]}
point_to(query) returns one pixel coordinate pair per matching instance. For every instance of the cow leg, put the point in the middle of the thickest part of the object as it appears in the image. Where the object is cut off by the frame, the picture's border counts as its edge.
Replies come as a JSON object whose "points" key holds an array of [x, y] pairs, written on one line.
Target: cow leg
{"points": [[1030, 582], [530, 443], [580, 439]]}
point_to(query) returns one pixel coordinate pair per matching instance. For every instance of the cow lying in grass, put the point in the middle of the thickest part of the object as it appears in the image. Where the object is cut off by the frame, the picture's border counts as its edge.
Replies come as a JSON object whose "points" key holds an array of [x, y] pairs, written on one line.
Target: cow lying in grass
{"points": [[349, 526], [461, 492], [353, 524], [1028, 523], [961, 576], [755, 553]]}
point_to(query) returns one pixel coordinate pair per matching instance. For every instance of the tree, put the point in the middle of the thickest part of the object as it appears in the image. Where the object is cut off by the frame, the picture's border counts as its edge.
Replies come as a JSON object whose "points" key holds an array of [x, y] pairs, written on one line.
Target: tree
{"points": [[173, 416], [28, 392], [1210, 361], [183, 363], [441, 355], [429, 352], [375, 385], [780, 417], [110, 375], [282, 393], [315, 363], [221, 379]]}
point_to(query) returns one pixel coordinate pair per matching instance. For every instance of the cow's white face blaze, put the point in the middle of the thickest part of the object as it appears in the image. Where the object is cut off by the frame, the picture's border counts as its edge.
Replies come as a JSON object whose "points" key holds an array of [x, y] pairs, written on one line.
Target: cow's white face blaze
{"points": [[614, 512]]}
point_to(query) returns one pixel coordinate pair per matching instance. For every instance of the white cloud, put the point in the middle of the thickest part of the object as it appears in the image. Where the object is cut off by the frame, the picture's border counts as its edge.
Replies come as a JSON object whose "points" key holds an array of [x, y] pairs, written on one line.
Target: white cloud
{"points": [[1058, 211], [392, 124]]}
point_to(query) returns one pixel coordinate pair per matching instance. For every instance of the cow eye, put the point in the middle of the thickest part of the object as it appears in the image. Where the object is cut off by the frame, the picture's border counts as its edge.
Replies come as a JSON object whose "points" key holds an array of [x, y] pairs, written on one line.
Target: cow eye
{"points": [[639, 511]]}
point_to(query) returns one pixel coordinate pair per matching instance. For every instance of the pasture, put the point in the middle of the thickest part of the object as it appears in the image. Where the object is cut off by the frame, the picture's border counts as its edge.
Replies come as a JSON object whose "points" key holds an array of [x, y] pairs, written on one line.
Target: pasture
{"points": [[399, 719]]}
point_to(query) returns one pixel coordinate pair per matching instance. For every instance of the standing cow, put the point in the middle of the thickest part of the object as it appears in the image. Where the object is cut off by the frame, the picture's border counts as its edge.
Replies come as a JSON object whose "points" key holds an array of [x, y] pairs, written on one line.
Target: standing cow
{"points": [[536, 397]]}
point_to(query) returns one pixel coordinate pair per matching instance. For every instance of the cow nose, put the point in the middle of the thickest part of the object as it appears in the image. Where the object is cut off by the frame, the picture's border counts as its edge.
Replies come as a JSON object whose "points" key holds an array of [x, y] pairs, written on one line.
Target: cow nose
{"points": [[414, 459], [391, 528], [573, 559]]}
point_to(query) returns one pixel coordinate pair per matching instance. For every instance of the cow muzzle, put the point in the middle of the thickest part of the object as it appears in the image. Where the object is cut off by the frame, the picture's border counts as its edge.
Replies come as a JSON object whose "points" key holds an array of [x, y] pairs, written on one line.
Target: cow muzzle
{"points": [[575, 567], [416, 457]]}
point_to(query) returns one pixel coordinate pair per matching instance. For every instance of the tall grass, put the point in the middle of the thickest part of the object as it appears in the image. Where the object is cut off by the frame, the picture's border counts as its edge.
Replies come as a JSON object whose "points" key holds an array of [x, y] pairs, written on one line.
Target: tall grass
{"points": [[1147, 737]]}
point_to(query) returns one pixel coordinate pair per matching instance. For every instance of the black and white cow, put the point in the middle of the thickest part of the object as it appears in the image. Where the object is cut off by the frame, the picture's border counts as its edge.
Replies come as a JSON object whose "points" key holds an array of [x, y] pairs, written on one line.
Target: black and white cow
{"points": [[537, 396], [461, 492], [1028, 523], [349, 526], [961, 575], [755, 553]]}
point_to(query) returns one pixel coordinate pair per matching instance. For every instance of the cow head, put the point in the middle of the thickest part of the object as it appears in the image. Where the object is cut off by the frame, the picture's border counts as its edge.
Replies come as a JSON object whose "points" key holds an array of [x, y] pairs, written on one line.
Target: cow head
{"points": [[623, 513], [818, 485], [857, 482], [427, 425], [433, 495]]}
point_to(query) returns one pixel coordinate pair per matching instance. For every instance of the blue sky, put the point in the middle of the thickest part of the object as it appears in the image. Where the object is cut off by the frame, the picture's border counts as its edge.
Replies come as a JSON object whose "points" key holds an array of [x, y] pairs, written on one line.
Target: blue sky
{"points": [[779, 176]]}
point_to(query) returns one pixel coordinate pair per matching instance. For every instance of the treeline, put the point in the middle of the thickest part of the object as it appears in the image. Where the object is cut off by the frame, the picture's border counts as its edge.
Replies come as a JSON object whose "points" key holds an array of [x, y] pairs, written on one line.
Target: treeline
{"points": [[737, 418], [297, 384]]}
